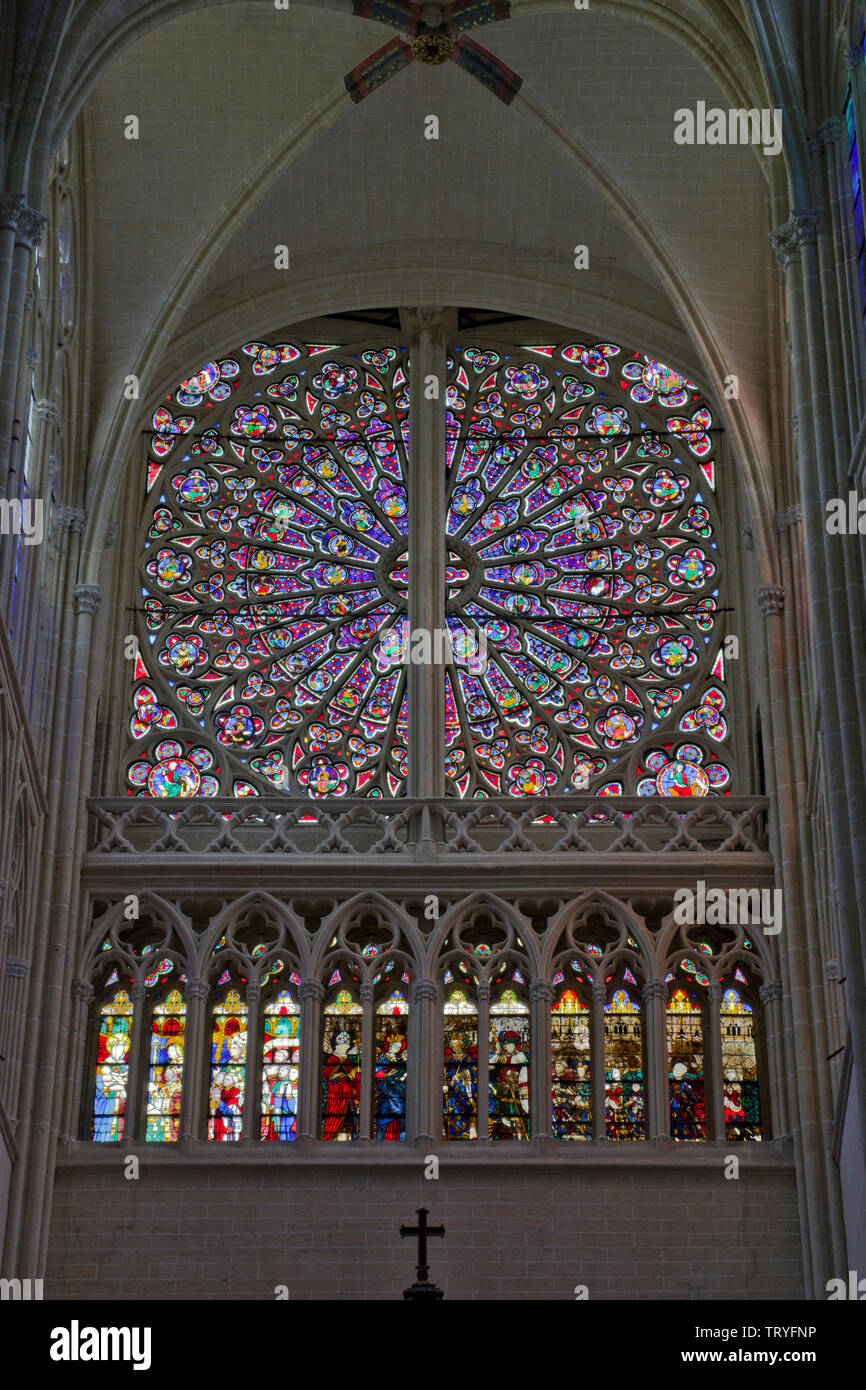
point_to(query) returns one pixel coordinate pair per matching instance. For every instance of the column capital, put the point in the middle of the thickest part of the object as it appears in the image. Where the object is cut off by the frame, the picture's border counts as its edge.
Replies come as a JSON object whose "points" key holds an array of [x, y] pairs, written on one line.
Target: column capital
{"points": [[483, 992], [87, 598], [197, 989], [800, 230], [71, 518], [654, 989], [426, 318], [788, 517], [714, 992], [254, 995], [311, 989], [138, 993], [17, 968], [832, 971], [47, 410], [83, 991], [110, 535], [425, 992], [31, 224], [771, 600], [10, 207], [824, 134], [541, 992], [771, 992]]}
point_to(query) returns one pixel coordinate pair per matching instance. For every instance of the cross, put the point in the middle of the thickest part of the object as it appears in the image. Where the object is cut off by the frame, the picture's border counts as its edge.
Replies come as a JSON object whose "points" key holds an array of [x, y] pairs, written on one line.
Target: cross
{"points": [[422, 1231]]}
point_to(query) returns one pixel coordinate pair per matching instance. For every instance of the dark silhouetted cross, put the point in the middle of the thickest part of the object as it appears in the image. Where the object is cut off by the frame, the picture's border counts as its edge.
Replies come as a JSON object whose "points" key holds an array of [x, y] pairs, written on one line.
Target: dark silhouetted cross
{"points": [[422, 1231]]}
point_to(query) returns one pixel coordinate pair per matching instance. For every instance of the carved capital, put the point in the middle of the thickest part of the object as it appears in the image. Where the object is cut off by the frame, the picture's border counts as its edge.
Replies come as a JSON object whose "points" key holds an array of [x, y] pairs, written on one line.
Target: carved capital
{"points": [[824, 134], [714, 992], [71, 518], [366, 992], [31, 225], [771, 992], [31, 356], [654, 989], [771, 600], [425, 992], [483, 992], [801, 230], [426, 318], [83, 991], [138, 993], [110, 535], [599, 992], [10, 208], [254, 995], [17, 968], [311, 989], [541, 992], [748, 538], [49, 411], [795, 422], [197, 989], [87, 598], [4, 884], [832, 971], [787, 518]]}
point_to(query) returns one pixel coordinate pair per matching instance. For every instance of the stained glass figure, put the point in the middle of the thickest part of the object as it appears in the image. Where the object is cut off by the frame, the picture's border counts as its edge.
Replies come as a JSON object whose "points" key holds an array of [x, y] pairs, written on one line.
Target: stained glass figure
{"points": [[280, 1068], [571, 1084], [584, 526], [686, 1067], [228, 1068], [624, 1108], [389, 1076], [509, 1068], [165, 1071], [341, 1068], [740, 1069], [460, 1081], [112, 1069]]}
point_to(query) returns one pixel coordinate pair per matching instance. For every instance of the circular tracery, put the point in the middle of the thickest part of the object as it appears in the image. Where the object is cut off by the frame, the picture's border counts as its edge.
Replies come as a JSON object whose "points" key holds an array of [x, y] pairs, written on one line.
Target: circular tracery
{"points": [[581, 553]]}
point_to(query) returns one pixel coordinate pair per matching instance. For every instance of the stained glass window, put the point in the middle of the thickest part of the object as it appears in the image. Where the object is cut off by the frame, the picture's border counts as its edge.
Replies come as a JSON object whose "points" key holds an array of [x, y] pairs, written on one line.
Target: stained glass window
{"points": [[580, 505], [624, 1109], [686, 1067], [280, 1063], [583, 572], [571, 1075], [856, 182], [341, 1068], [509, 1067], [460, 1082], [389, 1077], [165, 1071], [228, 1068], [112, 1068], [740, 1069]]}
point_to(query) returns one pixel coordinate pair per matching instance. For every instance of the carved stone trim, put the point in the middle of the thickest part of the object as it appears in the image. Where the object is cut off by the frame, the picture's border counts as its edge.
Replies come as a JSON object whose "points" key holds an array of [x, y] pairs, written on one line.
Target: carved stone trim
{"points": [[197, 989], [771, 992], [311, 989], [541, 992], [72, 518], [483, 992], [31, 225], [10, 209], [832, 970], [87, 598], [366, 992], [4, 884], [824, 134], [17, 968], [254, 995], [654, 989], [787, 518], [110, 535], [47, 410], [83, 991], [425, 992], [771, 600], [801, 230]]}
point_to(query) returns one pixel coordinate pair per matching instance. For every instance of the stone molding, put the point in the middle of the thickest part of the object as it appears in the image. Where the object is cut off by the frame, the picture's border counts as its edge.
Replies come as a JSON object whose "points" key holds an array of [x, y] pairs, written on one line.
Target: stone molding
{"points": [[87, 598], [771, 600], [801, 230]]}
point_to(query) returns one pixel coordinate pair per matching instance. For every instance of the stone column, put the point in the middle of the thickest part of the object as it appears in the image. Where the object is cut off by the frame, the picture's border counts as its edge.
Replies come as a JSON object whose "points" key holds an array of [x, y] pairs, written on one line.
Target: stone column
{"points": [[713, 1078], [483, 1120], [540, 1101], [136, 1088], [368, 1058], [597, 1069], [81, 1026], [250, 1127], [427, 544], [776, 1120], [196, 1060], [657, 1098], [424, 1086], [310, 996]]}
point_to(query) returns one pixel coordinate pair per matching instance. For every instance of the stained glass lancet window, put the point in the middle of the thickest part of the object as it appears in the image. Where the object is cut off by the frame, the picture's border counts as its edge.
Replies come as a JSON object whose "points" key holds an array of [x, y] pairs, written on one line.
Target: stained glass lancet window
{"points": [[341, 1067], [280, 1068], [228, 1067], [389, 1077], [623, 1069], [740, 1069], [112, 1068], [582, 548], [571, 1075], [581, 511], [686, 1067], [165, 1072], [460, 1080], [509, 1067]]}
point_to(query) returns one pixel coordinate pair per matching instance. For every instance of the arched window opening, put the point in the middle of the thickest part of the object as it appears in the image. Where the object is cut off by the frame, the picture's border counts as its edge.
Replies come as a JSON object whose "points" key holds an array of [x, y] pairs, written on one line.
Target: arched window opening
{"points": [[686, 1084], [460, 1081], [108, 1116], [228, 1065], [341, 1067], [389, 1077], [166, 1062], [571, 1067], [509, 1067], [740, 1069], [280, 1067], [624, 1099]]}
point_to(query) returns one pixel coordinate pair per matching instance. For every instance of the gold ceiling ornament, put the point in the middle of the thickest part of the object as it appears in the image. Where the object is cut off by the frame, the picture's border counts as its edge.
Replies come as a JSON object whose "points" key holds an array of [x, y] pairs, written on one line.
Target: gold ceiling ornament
{"points": [[432, 48]]}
